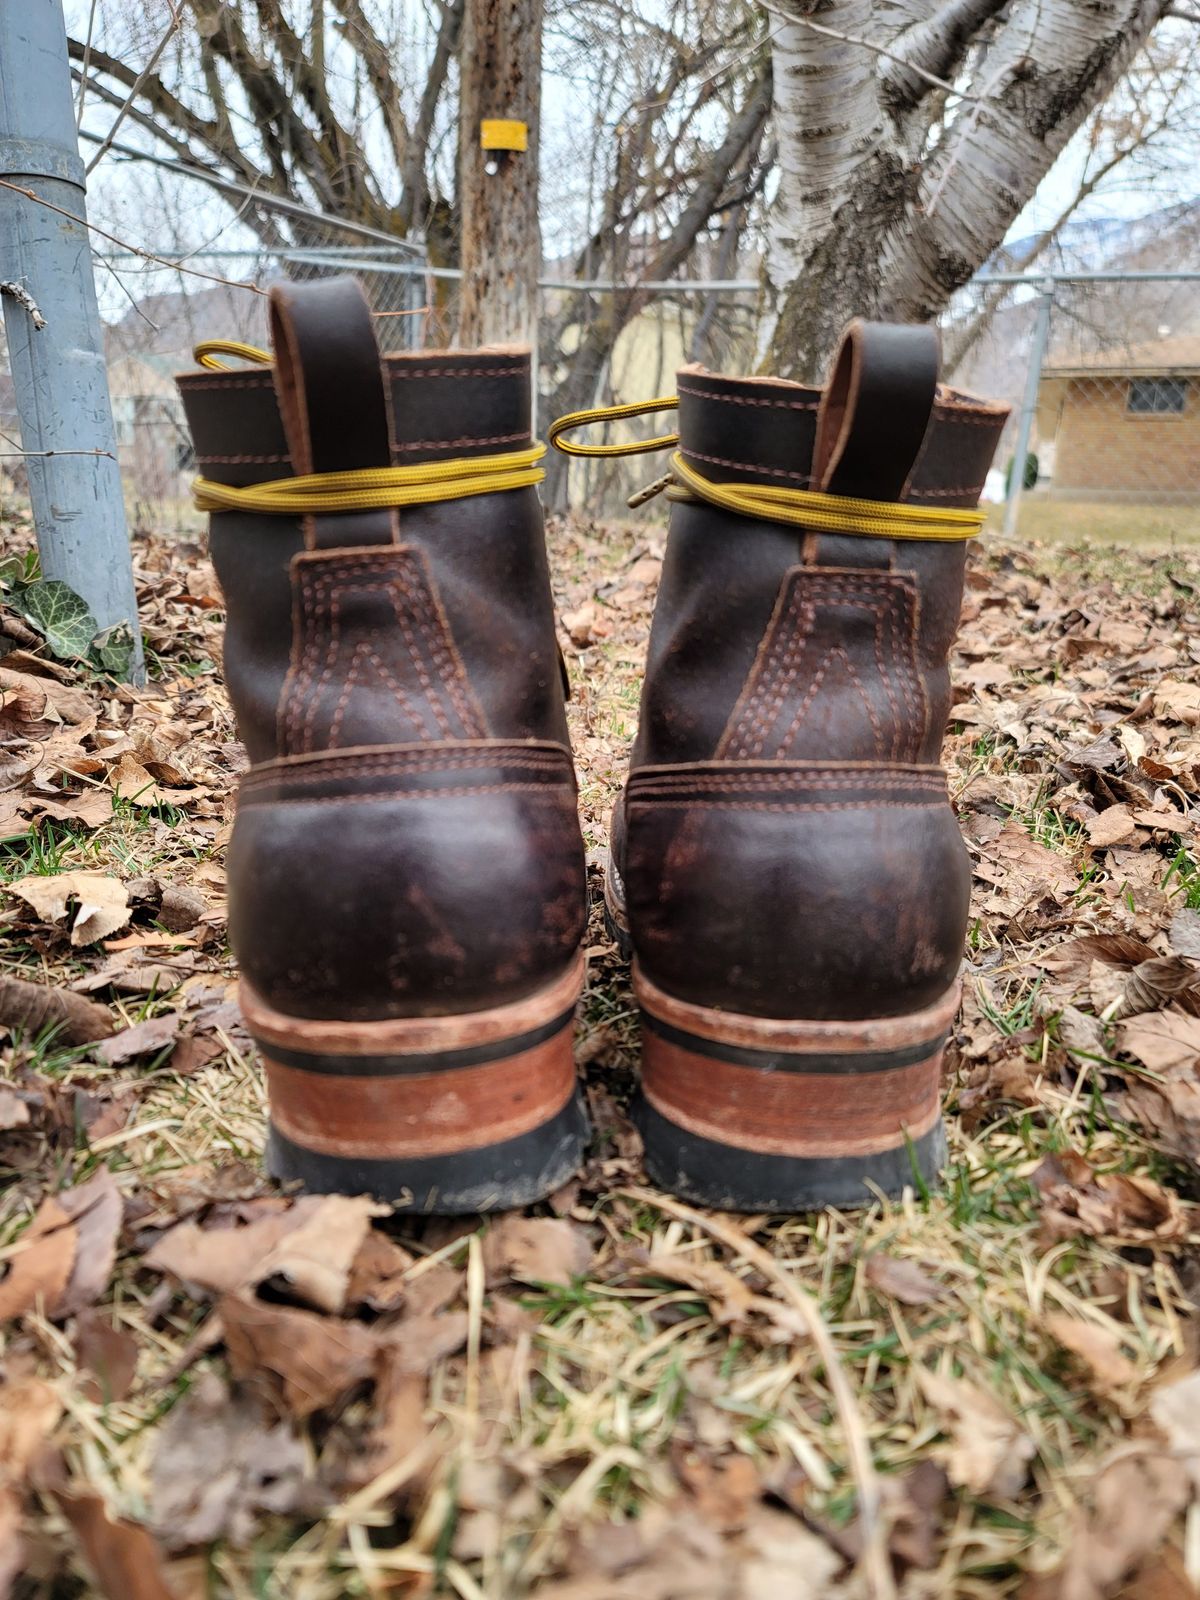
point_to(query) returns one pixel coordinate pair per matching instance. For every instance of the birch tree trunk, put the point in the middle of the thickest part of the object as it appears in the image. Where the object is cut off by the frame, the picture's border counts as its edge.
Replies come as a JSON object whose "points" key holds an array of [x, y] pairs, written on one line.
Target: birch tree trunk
{"points": [[893, 192], [500, 65]]}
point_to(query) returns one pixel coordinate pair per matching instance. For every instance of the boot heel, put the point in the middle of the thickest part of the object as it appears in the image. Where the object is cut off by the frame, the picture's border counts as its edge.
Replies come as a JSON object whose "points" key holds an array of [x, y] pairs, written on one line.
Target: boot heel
{"points": [[748, 1113], [446, 1115]]}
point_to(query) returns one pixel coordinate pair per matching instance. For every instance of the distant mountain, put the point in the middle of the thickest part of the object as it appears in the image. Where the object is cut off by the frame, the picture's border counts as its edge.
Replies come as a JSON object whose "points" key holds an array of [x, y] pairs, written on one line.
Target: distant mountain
{"points": [[1089, 318]]}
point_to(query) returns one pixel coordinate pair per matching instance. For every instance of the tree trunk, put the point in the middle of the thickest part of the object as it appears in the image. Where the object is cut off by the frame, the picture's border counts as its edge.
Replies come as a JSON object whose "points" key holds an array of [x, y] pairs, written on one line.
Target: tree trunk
{"points": [[500, 69], [870, 218]]}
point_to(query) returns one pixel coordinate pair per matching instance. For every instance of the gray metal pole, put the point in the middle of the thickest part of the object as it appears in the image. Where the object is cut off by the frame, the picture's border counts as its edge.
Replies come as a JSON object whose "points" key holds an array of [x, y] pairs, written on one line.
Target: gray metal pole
{"points": [[1033, 378], [58, 370]]}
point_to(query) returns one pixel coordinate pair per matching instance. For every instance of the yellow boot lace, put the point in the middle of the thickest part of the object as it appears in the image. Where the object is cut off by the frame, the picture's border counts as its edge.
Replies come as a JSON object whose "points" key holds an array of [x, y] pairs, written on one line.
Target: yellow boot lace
{"points": [[806, 508], [366, 488]]}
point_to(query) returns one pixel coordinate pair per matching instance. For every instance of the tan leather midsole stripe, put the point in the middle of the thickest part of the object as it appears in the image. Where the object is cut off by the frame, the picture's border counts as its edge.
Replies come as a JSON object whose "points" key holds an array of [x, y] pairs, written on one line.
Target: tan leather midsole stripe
{"points": [[790, 1113], [399, 1036], [423, 1114], [798, 1037]]}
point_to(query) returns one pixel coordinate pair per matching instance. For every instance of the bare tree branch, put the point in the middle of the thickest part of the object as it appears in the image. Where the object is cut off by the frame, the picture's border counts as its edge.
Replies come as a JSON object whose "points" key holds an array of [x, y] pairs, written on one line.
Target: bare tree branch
{"points": [[135, 87], [929, 52]]}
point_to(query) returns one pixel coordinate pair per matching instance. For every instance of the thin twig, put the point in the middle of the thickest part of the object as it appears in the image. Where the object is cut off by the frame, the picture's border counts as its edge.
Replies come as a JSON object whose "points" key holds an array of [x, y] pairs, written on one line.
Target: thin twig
{"points": [[16, 455], [18, 292], [876, 1564], [87, 56], [145, 255], [172, 29], [876, 49]]}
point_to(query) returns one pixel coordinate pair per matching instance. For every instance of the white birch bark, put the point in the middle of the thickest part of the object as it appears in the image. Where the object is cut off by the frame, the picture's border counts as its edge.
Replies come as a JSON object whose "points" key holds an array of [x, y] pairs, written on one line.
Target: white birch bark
{"points": [[827, 121], [870, 218]]}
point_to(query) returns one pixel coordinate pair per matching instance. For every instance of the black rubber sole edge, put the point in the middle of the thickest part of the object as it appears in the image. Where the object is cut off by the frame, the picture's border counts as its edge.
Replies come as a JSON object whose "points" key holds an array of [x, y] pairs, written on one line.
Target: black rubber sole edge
{"points": [[492, 1177], [726, 1178], [618, 935]]}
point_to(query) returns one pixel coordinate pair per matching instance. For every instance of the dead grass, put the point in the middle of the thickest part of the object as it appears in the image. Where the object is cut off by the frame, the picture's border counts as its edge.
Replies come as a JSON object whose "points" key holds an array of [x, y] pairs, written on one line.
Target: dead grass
{"points": [[1143, 527], [572, 1414]]}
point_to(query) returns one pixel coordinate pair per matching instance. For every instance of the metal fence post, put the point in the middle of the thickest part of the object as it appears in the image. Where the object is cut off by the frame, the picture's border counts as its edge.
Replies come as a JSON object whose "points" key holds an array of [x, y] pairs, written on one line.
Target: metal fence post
{"points": [[58, 370], [1029, 402]]}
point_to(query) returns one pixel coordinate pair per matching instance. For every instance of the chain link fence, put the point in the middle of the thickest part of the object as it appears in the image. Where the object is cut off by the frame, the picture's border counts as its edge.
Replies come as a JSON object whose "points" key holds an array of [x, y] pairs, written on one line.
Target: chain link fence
{"points": [[1102, 371]]}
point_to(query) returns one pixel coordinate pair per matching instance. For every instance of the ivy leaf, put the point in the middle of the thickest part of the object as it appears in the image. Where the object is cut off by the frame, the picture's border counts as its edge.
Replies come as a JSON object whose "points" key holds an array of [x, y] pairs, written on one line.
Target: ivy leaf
{"points": [[12, 570], [60, 615], [112, 650]]}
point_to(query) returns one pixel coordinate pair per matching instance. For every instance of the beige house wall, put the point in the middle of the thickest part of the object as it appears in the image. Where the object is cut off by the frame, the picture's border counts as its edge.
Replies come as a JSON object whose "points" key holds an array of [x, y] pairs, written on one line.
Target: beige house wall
{"points": [[1100, 446]]}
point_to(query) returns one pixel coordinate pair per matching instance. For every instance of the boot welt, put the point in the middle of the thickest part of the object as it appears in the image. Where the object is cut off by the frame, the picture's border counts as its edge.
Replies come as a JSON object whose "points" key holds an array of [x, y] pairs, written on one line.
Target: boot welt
{"points": [[755, 1113], [445, 1115]]}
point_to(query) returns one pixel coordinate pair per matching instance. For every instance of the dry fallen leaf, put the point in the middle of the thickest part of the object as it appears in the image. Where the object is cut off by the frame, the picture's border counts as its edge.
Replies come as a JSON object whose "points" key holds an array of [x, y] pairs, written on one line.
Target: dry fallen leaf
{"points": [[108, 1353], [124, 1559], [29, 1411], [1177, 701], [723, 1490], [1022, 869], [1134, 1501], [39, 1265], [1162, 1039], [1175, 1408], [142, 1039], [399, 1431], [902, 1280], [730, 1299], [31, 1007], [103, 904], [988, 1452], [1184, 933], [1097, 1347], [218, 1462], [312, 1246], [536, 1250], [96, 1210], [305, 1361], [1110, 826], [1077, 1200]]}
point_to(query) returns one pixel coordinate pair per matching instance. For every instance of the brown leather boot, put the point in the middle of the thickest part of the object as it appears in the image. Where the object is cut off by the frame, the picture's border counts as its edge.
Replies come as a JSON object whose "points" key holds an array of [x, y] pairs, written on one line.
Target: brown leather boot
{"points": [[785, 860], [406, 876]]}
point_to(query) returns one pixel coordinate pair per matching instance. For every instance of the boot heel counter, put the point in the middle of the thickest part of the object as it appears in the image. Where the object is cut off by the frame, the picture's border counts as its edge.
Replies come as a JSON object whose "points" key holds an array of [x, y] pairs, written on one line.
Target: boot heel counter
{"points": [[428, 880], [797, 891]]}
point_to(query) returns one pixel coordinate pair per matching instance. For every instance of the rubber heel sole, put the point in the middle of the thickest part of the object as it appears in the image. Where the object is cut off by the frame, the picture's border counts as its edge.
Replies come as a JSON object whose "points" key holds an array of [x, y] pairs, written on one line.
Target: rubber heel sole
{"points": [[746, 1113], [438, 1115]]}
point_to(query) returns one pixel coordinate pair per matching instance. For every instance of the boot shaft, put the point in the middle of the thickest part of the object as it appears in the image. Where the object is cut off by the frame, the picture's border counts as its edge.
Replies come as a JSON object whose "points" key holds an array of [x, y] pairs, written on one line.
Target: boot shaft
{"points": [[391, 626], [770, 643]]}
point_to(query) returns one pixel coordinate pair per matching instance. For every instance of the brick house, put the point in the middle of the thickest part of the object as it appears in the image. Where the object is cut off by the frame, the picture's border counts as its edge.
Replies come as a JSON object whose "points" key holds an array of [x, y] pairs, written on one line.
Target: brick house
{"points": [[1122, 424]]}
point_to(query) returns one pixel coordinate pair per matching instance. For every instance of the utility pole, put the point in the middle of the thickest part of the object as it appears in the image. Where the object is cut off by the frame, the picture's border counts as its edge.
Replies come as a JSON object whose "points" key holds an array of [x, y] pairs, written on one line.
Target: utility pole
{"points": [[58, 366], [500, 70], [1029, 405]]}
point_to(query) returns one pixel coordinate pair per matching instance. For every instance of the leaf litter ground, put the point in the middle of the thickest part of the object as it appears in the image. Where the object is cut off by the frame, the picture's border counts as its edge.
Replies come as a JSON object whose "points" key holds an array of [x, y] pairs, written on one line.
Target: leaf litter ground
{"points": [[210, 1387]]}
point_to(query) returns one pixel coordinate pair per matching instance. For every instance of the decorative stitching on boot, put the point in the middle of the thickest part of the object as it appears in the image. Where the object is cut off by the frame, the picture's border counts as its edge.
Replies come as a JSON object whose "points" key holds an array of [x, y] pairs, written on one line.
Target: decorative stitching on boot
{"points": [[749, 400], [799, 649], [457, 372], [346, 605], [457, 444], [349, 765]]}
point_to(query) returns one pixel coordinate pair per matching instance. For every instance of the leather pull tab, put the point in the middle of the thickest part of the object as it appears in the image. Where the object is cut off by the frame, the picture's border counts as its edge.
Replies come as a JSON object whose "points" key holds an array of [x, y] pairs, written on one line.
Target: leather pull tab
{"points": [[329, 380], [876, 409]]}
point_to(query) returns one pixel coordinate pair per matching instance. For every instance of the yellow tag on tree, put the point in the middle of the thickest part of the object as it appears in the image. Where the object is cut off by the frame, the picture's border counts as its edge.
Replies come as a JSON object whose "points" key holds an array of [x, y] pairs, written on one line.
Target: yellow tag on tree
{"points": [[503, 134]]}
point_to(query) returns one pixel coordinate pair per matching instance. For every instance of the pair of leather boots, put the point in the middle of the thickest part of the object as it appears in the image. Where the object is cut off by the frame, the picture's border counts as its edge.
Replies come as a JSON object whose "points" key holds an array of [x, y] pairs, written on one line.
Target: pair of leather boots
{"points": [[406, 875]]}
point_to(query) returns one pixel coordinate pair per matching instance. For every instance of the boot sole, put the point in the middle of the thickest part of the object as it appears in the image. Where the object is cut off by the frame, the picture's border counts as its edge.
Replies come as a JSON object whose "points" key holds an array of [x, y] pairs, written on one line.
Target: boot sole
{"points": [[745, 1113], [439, 1115]]}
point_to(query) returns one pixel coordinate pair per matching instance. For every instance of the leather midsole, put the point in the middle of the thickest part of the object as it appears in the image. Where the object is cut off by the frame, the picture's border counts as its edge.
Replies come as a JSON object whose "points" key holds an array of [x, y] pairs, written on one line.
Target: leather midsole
{"points": [[797, 1035], [799, 1114], [422, 1114], [410, 1035]]}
